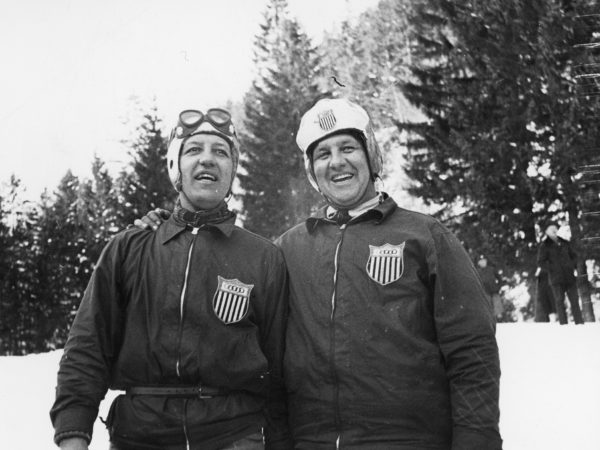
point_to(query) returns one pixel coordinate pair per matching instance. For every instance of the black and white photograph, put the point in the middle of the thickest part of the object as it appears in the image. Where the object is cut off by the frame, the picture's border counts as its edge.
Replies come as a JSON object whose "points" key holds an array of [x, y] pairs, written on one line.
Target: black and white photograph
{"points": [[300, 225]]}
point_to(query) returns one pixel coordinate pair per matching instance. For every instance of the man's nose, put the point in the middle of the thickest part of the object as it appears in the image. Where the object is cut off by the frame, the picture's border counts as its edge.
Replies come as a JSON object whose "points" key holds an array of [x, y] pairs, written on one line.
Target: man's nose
{"points": [[206, 158], [337, 158]]}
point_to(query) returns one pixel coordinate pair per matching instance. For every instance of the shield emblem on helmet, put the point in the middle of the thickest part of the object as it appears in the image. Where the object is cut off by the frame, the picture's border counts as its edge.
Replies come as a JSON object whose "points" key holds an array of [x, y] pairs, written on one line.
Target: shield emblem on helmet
{"points": [[327, 120], [386, 263], [231, 300]]}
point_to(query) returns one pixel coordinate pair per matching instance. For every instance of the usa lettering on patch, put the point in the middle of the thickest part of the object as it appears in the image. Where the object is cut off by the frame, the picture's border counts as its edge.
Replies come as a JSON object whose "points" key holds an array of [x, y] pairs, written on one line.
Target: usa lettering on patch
{"points": [[327, 120], [231, 300], [386, 263]]}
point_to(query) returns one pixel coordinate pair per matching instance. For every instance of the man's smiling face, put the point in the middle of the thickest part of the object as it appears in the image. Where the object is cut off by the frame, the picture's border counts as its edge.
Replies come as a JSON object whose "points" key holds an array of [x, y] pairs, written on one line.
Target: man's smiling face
{"points": [[206, 168], [342, 171]]}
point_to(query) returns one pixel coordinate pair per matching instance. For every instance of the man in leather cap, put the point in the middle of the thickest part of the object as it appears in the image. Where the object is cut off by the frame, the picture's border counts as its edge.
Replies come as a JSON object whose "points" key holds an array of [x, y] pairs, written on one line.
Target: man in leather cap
{"points": [[189, 320]]}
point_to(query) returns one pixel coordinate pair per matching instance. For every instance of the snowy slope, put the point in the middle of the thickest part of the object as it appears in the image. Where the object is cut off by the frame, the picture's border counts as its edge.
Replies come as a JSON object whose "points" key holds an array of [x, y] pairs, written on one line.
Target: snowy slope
{"points": [[550, 391]]}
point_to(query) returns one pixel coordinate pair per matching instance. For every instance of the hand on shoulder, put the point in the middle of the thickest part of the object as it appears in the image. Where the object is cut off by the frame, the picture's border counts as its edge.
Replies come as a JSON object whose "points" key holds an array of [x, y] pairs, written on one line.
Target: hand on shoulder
{"points": [[152, 219]]}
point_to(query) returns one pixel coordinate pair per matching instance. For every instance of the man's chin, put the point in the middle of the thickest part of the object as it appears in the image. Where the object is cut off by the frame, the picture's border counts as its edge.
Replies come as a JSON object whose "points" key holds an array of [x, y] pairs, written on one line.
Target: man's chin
{"points": [[348, 201], [344, 204], [198, 202], [349, 198]]}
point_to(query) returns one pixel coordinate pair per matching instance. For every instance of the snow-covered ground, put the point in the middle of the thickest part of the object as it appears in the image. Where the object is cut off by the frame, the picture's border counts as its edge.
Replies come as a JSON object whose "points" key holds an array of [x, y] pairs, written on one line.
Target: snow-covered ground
{"points": [[550, 391]]}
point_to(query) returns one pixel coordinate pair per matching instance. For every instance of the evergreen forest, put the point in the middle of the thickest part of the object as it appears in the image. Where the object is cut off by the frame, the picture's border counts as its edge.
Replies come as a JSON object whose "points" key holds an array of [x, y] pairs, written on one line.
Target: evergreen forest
{"points": [[487, 113]]}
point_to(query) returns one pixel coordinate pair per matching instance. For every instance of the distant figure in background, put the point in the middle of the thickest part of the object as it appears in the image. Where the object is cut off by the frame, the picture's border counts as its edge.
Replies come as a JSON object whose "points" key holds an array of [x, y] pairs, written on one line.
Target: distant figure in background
{"points": [[544, 299], [489, 279], [557, 258]]}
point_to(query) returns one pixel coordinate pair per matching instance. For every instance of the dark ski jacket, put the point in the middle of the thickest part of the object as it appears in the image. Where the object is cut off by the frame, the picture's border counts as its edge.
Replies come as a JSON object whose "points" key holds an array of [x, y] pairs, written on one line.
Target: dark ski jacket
{"points": [[391, 338], [179, 307], [558, 259]]}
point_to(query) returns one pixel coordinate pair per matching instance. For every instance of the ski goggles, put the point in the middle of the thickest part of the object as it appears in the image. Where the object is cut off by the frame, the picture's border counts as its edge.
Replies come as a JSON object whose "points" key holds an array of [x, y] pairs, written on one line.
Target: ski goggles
{"points": [[190, 121]]}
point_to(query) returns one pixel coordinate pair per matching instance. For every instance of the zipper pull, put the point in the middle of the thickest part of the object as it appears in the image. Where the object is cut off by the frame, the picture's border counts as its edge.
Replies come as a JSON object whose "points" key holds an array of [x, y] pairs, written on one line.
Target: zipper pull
{"points": [[195, 230]]}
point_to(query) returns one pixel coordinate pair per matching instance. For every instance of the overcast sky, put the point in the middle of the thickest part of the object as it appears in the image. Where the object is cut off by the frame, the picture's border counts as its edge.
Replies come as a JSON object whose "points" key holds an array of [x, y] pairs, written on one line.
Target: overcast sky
{"points": [[70, 69]]}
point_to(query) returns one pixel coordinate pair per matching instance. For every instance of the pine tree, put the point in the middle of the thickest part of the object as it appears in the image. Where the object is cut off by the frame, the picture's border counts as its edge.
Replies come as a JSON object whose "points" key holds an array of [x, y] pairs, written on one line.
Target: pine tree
{"points": [[19, 308], [464, 155], [7, 313], [145, 184], [573, 86], [504, 126], [63, 267], [276, 192], [48, 252], [99, 213]]}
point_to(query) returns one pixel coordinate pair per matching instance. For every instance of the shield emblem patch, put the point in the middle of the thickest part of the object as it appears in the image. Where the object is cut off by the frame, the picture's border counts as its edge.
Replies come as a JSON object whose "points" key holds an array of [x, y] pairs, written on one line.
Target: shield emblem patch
{"points": [[327, 120], [386, 263], [231, 300]]}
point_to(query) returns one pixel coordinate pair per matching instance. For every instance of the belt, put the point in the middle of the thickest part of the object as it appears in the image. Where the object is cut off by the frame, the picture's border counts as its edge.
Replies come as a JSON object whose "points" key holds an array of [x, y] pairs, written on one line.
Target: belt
{"points": [[177, 391]]}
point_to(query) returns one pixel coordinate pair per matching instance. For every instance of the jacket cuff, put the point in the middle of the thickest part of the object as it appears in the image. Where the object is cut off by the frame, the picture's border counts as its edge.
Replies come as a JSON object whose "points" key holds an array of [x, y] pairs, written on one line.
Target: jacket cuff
{"points": [[72, 434], [74, 422]]}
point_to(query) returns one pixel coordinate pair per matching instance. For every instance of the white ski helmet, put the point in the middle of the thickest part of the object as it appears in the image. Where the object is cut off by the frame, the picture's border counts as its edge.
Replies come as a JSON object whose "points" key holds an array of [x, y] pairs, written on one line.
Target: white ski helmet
{"points": [[332, 116], [190, 122]]}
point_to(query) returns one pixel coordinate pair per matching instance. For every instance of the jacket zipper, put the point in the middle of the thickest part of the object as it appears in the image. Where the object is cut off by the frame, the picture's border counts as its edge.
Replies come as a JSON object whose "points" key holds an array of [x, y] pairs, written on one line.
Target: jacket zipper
{"points": [[332, 338], [182, 300], [181, 310], [185, 433]]}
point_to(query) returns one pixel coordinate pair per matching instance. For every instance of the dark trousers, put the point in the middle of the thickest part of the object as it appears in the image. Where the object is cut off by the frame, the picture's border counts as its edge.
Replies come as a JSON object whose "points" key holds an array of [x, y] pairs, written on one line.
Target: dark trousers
{"points": [[559, 291], [544, 300]]}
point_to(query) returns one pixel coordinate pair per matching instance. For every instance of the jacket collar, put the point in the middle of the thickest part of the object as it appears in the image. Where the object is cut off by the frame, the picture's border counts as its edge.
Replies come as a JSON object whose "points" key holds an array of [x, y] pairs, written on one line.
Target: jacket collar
{"points": [[362, 208], [379, 213], [171, 228]]}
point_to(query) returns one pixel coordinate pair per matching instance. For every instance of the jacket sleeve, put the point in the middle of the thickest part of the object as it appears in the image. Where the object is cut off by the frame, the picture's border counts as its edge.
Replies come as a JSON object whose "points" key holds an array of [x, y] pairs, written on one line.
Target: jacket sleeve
{"points": [[277, 434], [466, 329], [84, 372]]}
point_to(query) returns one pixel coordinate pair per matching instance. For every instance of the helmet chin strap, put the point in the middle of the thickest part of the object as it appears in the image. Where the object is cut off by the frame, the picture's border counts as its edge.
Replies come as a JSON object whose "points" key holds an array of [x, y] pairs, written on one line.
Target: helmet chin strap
{"points": [[379, 184]]}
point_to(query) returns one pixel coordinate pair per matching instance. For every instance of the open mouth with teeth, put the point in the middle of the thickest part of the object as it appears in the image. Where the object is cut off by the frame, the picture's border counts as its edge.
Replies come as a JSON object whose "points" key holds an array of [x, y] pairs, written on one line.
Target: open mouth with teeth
{"points": [[341, 177], [203, 176]]}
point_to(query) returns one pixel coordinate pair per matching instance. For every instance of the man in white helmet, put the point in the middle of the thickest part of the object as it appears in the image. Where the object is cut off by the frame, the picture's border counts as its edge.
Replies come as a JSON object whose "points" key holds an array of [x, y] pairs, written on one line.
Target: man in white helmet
{"points": [[390, 343], [189, 321], [391, 340]]}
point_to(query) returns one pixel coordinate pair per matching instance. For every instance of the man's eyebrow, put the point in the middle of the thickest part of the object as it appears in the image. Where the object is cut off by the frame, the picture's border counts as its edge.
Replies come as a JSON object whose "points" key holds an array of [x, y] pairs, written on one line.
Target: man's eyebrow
{"points": [[189, 145], [347, 140], [322, 147]]}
